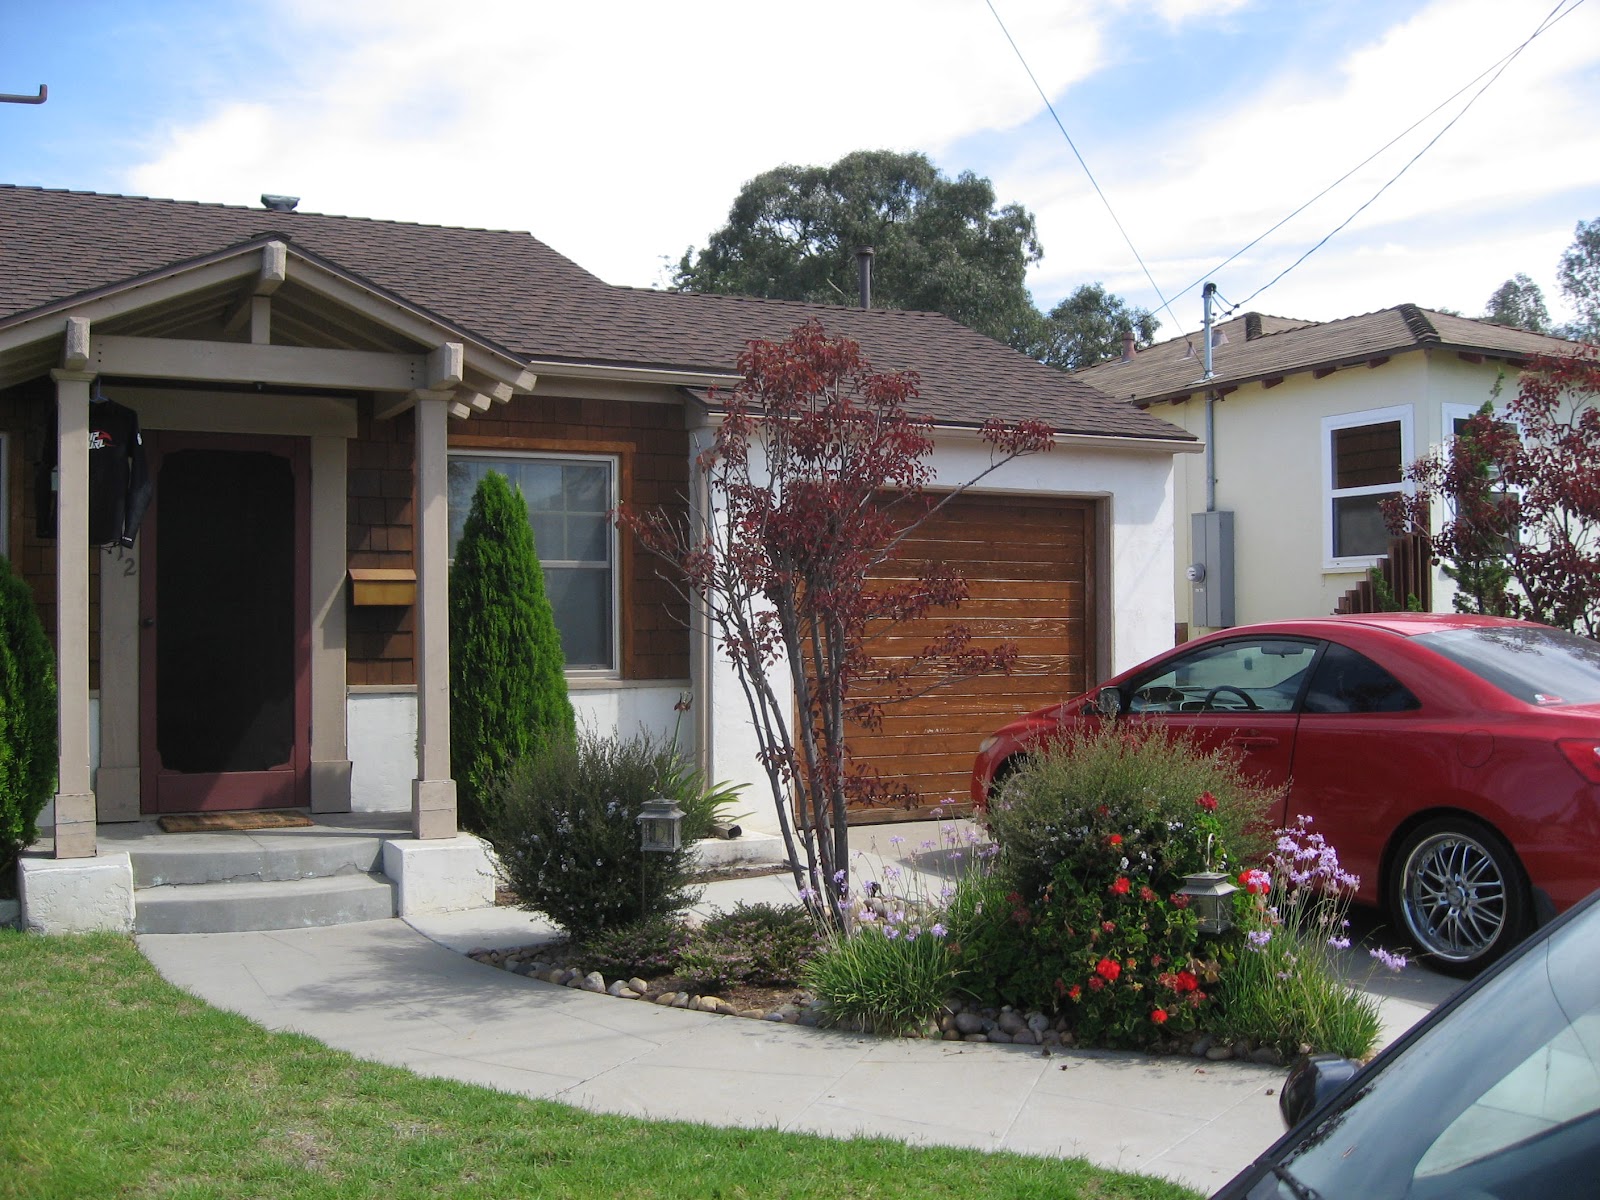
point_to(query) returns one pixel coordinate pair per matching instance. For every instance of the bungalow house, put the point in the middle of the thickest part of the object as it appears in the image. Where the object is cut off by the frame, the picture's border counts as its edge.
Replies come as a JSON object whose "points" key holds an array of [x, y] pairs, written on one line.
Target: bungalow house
{"points": [[1308, 426], [317, 397]]}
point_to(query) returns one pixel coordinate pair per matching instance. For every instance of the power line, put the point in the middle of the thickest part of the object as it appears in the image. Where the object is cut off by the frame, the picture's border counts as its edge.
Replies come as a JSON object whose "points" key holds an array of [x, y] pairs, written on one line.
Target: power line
{"points": [[1550, 19], [1057, 119]]}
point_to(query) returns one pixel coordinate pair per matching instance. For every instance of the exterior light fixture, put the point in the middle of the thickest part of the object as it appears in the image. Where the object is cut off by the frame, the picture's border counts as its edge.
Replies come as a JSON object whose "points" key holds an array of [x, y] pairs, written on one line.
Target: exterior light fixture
{"points": [[660, 826], [1211, 893]]}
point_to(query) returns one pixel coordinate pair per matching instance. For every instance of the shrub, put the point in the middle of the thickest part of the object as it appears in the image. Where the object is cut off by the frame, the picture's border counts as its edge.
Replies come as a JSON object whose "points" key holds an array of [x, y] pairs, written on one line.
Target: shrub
{"points": [[563, 820], [884, 978], [507, 687], [27, 717], [649, 947], [763, 944], [1084, 914], [1285, 987]]}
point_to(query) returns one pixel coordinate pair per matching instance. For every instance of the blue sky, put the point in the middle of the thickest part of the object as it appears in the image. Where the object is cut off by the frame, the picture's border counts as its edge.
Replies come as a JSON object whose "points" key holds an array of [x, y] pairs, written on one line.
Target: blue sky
{"points": [[619, 133]]}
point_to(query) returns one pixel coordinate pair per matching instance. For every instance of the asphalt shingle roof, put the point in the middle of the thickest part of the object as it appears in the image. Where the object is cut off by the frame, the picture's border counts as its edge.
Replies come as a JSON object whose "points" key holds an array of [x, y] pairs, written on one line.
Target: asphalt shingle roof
{"points": [[1170, 371], [516, 292]]}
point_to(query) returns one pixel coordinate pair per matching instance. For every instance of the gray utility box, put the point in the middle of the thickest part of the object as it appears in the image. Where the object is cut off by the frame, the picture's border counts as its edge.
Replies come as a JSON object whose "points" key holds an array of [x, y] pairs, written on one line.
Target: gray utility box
{"points": [[1210, 570]]}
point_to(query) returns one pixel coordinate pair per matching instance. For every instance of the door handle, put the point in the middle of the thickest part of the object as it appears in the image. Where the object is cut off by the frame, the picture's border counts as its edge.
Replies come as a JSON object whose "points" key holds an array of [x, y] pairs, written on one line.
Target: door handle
{"points": [[147, 623], [1255, 742]]}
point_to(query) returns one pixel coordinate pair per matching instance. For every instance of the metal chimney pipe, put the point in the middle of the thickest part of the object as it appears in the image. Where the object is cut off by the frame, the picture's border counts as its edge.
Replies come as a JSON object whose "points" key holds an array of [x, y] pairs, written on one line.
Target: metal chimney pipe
{"points": [[864, 274]]}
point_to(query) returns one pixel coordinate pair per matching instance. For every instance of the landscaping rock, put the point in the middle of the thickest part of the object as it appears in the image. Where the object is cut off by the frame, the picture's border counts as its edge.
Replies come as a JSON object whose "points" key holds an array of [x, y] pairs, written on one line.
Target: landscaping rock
{"points": [[1010, 1022], [1039, 1023], [1050, 1037], [789, 1013], [976, 1037], [572, 980], [1267, 1056], [809, 1017], [998, 1035], [594, 982], [1241, 1050], [952, 1035], [667, 998], [617, 988], [1025, 1037], [1200, 1046], [1219, 1053], [754, 1014], [774, 1015], [969, 1023], [683, 1000], [638, 985]]}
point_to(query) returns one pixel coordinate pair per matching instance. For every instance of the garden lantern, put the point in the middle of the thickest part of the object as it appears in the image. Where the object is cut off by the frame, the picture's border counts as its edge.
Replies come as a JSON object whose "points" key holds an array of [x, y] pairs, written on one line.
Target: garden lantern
{"points": [[660, 826], [1211, 893]]}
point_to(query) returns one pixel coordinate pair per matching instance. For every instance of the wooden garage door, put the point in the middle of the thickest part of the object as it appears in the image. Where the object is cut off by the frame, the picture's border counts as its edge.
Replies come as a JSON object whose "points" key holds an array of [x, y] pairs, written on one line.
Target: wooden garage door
{"points": [[1027, 563]]}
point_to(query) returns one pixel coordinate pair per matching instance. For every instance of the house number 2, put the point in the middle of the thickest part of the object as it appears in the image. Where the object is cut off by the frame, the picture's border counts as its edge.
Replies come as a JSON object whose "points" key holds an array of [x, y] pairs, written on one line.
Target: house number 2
{"points": [[130, 564]]}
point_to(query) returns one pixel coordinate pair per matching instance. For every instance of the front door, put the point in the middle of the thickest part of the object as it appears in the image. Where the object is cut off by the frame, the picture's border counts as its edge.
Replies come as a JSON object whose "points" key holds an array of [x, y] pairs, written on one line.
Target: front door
{"points": [[225, 644]]}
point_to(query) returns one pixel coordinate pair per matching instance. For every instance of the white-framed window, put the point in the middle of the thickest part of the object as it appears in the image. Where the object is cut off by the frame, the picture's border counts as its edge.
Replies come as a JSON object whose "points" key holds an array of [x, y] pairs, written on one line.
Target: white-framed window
{"points": [[1363, 456], [569, 498]]}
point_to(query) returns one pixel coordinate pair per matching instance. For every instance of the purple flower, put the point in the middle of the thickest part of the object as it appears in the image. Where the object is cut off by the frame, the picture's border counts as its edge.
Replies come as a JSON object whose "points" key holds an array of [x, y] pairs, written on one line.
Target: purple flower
{"points": [[1339, 943], [1258, 939], [891, 932], [1395, 962], [807, 894], [938, 930], [839, 876]]}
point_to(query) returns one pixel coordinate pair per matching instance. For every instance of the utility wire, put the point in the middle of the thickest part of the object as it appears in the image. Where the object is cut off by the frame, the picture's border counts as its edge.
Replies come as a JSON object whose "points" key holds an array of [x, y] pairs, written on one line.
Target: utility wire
{"points": [[1549, 20], [1545, 27], [1057, 119]]}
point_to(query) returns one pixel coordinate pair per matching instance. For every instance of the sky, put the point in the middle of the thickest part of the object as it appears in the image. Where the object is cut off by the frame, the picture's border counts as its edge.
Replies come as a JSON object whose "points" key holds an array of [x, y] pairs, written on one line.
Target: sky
{"points": [[619, 133]]}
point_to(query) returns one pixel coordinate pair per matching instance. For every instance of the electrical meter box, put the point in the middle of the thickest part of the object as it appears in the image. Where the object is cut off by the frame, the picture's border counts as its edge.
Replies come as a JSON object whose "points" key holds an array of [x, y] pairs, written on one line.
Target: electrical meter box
{"points": [[1210, 570]]}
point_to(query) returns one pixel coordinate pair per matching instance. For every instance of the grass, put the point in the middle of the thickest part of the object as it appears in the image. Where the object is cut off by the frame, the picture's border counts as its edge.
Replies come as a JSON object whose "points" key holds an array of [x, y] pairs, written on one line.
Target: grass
{"points": [[113, 1083]]}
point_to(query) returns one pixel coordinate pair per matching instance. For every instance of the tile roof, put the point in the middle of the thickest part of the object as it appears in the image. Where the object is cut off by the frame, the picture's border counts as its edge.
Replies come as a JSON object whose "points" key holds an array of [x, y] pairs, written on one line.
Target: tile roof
{"points": [[516, 292], [1280, 346]]}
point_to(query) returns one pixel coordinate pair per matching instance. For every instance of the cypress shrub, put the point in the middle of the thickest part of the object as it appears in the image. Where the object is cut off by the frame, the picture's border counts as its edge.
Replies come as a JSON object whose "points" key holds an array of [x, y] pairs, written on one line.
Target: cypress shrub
{"points": [[27, 717], [507, 689]]}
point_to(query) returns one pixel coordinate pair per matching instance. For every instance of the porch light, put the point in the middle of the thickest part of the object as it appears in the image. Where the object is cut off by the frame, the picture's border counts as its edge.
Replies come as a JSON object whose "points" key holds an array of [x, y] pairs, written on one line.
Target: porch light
{"points": [[1211, 894], [660, 826]]}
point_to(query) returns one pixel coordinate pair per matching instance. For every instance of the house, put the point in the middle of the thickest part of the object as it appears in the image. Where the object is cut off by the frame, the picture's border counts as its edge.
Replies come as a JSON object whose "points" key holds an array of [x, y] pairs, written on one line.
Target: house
{"points": [[318, 396], [1309, 425]]}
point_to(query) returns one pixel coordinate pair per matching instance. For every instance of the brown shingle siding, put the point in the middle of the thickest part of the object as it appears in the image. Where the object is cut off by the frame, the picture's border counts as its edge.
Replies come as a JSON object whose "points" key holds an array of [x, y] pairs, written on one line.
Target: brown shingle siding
{"points": [[380, 534]]}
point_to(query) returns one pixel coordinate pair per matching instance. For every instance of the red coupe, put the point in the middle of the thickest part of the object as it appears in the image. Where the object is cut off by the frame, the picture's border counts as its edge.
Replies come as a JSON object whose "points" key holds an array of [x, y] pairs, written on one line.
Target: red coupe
{"points": [[1452, 761]]}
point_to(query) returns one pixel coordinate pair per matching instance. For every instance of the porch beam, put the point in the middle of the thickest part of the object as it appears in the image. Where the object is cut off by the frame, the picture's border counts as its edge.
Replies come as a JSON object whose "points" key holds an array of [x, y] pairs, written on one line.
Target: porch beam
{"points": [[283, 366], [433, 792], [75, 347], [75, 804], [446, 366], [385, 407], [274, 271]]}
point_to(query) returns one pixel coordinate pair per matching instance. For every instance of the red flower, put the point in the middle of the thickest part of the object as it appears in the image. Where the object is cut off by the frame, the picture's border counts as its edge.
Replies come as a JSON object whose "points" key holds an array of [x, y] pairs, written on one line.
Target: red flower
{"points": [[1179, 900], [1185, 981], [1146, 894], [1255, 882], [1109, 926], [1207, 801], [1096, 983], [1108, 969], [1074, 992], [1159, 1016], [1114, 840], [1061, 988], [1121, 887]]}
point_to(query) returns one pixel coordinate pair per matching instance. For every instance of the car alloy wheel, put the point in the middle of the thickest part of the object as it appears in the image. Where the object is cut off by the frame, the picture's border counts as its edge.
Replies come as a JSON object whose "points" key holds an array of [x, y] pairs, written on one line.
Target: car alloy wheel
{"points": [[1460, 894]]}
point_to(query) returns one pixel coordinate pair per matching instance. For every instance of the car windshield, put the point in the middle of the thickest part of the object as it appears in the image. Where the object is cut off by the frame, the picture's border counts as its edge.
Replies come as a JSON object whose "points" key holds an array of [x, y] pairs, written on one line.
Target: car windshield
{"points": [[1502, 1097], [1535, 664]]}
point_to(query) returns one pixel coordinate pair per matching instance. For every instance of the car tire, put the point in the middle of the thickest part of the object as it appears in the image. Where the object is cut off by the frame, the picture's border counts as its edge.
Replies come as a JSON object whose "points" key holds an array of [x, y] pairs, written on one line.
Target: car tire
{"points": [[1459, 894]]}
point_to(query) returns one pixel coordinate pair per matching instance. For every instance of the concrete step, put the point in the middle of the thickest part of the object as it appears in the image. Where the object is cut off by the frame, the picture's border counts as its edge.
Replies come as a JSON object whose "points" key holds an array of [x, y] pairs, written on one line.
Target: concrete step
{"points": [[200, 858], [275, 904]]}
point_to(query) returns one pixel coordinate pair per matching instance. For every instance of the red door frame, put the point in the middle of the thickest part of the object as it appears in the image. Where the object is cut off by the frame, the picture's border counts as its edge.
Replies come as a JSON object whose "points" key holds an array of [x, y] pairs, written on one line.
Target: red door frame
{"points": [[287, 785]]}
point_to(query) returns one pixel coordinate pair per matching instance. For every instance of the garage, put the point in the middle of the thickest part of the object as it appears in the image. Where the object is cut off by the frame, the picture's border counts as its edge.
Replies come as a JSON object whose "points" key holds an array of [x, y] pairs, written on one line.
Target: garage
{"points": [[1028, 562]]}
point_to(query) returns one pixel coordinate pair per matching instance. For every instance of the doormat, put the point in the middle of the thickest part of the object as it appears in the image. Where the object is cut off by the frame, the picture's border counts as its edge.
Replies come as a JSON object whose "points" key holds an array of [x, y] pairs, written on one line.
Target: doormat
{"points": [[205, 822]]}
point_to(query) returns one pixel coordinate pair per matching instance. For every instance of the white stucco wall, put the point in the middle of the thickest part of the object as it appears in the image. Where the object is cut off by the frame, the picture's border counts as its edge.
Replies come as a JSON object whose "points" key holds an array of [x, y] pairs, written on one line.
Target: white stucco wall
{"points": [[1268, 448]]}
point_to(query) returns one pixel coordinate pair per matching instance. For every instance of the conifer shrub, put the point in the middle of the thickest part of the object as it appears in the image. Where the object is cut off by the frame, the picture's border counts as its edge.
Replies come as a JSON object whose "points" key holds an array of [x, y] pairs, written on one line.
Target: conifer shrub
{"points": [[507, 687], [27, 717], [563, 821]]}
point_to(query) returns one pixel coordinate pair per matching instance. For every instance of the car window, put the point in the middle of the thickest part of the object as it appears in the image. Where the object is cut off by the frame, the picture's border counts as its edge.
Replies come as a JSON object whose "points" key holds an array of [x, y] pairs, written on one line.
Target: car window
{"points": [[1346, 681], [1247, 675], [1500, 1097], [1534, 663]]}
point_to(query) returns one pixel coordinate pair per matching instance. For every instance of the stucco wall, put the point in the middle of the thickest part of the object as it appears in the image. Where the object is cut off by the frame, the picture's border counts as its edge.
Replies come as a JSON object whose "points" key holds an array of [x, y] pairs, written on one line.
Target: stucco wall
{"points": [[1268, 449]]}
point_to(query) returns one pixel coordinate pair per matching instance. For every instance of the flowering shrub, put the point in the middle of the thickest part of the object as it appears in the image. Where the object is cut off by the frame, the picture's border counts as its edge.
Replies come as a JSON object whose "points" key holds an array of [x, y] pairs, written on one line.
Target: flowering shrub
{"points": [[1286, 987], [764, 944], [1085, 915]]}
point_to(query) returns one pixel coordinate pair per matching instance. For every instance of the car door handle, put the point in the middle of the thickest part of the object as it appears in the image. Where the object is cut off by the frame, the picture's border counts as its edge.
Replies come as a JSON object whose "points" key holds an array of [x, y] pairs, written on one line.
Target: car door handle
{"points": [[1253, 743]]}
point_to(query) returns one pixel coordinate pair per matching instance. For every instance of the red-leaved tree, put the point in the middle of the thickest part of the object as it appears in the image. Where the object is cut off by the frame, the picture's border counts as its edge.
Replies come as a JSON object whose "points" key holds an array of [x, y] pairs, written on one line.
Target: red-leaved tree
{"points": [[818, 472], [1521, 491]]}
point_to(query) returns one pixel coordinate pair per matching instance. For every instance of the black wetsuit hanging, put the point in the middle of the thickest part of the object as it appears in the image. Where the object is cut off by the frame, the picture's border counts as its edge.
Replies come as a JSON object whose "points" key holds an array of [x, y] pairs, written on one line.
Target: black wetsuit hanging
{"points": [[119, 477]]}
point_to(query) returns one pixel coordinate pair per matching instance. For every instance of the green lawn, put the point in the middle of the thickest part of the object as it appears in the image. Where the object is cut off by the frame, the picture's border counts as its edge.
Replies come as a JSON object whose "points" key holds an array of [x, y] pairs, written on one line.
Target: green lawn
{"points": [[114, 1083]]}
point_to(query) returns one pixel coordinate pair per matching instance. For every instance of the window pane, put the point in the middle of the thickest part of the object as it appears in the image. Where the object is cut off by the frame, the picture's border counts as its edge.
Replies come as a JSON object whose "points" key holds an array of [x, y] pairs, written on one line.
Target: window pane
{"points": [[588, 539], [540, 484], [588, 488], [1366, 455], [581, 598], [549, 536], [1268, 672], [1358, 526], [1348, 682]]}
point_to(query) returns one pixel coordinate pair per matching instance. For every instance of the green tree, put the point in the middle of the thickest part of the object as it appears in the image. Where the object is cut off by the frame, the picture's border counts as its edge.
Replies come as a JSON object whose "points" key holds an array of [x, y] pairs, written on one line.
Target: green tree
{"points": [[507, 687], [27, 716], [1088, 327], [1519, 302], [1579, 273], [939, 244]]}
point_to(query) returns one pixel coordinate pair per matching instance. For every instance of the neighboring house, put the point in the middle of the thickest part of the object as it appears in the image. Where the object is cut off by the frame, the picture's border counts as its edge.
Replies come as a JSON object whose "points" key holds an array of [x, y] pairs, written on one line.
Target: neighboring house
{"points": [[319, 396], [1311, 425]]}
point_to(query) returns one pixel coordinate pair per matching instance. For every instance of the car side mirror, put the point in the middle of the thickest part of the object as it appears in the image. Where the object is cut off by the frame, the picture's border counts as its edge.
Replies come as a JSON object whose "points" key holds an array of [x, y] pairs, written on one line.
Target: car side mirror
{"points": [[1109, 701], [1311, 1081]]}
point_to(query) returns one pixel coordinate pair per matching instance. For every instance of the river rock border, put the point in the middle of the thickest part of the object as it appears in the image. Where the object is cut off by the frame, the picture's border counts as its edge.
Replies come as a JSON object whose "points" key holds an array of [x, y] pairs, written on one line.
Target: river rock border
{"points": [[961, 1022]]}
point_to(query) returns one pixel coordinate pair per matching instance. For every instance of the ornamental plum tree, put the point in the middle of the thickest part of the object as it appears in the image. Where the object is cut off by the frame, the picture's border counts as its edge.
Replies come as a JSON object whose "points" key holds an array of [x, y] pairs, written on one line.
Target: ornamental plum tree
{"points": [[1521, 491], [817, 473]]}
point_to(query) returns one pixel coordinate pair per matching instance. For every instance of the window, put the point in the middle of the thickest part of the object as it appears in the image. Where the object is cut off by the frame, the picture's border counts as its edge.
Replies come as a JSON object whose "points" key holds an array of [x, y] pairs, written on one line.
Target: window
{"points": [[1363, 455], [1348, 682], [568, 502], [1248, 675]]}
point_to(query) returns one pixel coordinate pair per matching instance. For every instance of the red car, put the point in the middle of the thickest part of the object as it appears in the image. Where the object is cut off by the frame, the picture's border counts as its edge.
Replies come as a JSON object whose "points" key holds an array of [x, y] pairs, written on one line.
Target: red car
{"points": [[1452, 761]]}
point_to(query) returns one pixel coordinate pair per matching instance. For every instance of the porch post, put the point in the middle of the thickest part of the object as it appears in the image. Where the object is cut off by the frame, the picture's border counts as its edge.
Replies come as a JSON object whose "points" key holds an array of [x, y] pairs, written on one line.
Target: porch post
{"points": [[433, 792], [75, 805]]}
